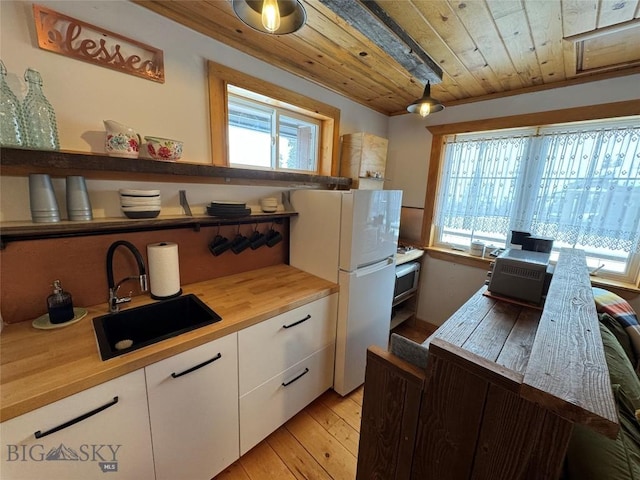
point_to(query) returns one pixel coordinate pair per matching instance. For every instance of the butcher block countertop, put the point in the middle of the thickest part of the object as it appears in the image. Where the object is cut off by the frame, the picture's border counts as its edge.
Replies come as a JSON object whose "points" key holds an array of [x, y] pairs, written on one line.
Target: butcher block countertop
{"points": [[38, 367]]}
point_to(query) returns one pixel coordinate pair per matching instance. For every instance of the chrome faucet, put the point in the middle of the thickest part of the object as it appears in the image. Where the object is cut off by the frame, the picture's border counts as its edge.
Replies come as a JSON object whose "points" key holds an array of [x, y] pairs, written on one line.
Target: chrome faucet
{"points": [[114, 300]]}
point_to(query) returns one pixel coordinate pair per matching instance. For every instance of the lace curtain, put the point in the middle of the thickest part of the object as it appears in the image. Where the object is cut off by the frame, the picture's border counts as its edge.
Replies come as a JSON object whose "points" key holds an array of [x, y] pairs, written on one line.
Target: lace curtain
{"points": [[585, 189], [581, 188], [479, 185]]}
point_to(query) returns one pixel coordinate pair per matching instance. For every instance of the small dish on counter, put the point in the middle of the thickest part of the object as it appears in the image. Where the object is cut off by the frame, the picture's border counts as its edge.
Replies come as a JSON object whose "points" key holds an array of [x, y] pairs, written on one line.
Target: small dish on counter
{"points": [[43, 322]]}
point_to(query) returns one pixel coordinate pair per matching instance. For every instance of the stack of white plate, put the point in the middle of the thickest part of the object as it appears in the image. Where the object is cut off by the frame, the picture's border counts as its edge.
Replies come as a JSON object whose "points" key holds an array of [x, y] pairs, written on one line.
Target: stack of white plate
{"points": [[140, 203]]}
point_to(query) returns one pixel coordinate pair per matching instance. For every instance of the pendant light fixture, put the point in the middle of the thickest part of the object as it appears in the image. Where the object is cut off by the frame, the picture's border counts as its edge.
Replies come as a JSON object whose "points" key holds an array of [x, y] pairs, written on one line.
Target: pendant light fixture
{"points": [[277, 17], [426, 105]]}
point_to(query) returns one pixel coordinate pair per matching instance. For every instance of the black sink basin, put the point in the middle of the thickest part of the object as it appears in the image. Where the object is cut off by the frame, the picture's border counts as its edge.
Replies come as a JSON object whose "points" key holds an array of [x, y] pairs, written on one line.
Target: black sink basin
{"points": [[131, 329]]}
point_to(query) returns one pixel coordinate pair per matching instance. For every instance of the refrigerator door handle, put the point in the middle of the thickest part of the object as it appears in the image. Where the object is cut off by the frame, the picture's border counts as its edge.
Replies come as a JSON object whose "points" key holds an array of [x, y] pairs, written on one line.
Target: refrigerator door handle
{"points": [[369, 269]]}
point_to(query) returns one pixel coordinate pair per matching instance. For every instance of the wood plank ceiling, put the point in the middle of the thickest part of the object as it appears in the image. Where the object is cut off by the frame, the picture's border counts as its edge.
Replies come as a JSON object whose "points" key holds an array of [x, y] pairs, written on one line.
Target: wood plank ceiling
{"points": [[485, 48]]}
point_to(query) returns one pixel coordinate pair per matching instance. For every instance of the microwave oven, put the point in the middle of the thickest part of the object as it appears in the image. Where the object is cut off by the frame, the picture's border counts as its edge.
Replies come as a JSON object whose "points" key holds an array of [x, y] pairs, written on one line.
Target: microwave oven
{"points": [[407, 276]]}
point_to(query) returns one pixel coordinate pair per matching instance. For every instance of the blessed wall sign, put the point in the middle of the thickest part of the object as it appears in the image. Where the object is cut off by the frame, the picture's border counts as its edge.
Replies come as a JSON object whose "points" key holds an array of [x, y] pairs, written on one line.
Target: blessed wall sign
{"points": [[83, 41]]}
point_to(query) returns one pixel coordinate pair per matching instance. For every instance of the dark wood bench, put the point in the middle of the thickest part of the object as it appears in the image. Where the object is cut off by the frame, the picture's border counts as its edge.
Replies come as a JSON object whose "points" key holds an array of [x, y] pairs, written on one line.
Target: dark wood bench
{"points": [[502, 388]]}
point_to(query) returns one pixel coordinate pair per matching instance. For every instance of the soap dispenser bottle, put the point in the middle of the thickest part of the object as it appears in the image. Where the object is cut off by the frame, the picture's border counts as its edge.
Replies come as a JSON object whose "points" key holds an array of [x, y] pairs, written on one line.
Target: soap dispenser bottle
{"points": [[59, 304]]}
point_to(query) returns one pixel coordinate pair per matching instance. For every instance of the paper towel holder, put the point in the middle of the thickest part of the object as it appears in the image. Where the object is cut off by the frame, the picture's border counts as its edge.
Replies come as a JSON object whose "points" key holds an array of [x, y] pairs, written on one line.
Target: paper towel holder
{"points": [[153, 295]]}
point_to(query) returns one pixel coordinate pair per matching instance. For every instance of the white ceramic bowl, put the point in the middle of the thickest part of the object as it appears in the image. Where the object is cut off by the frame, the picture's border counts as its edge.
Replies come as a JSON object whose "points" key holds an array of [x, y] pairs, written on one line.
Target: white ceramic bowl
{"points": [[269, 204], [163, 148], [135, 201], [141, 208], [138, 193], [145, 214]]}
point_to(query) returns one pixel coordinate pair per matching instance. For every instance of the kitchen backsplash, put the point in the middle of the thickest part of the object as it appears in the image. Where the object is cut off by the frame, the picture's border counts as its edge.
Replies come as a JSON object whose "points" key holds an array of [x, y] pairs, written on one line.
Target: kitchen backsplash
{"points": [[30, 267]]}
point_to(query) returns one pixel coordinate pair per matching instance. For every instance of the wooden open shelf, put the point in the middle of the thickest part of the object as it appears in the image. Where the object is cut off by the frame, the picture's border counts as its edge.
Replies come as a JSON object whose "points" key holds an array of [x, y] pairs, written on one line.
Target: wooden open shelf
{"points": [[22, 161], [16, 231]]}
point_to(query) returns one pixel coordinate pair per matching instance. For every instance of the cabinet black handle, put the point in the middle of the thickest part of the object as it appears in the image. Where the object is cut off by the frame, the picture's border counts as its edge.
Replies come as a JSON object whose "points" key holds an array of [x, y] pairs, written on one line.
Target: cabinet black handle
{"points": [[285, 384], [196, 367], [297, 323], [40, 434]]}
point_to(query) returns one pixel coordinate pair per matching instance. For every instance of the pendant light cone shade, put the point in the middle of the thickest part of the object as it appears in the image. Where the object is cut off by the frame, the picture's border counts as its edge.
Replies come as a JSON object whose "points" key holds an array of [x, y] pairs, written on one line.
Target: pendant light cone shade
{"points": [[426, 105], [277, 17]]}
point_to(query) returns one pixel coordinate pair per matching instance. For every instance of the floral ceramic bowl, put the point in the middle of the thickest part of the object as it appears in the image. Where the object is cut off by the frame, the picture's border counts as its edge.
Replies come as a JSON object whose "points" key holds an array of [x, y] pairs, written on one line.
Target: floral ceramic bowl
{"points": [[122, 144], [163, 148]]}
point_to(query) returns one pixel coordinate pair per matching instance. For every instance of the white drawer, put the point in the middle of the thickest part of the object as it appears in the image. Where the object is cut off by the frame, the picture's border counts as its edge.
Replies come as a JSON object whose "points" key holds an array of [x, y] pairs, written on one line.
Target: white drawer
{"points": [[269, 348], [113, 442], [266, 408]]}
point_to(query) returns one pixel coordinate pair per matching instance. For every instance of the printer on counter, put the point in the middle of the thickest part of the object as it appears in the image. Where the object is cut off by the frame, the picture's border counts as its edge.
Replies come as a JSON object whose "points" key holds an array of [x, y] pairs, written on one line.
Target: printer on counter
{"points": [[522, 274]]}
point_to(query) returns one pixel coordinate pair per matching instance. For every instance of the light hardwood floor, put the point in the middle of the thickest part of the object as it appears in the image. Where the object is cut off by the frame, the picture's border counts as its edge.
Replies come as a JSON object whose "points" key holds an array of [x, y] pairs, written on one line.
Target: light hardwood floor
{"points": [[319, 443]]}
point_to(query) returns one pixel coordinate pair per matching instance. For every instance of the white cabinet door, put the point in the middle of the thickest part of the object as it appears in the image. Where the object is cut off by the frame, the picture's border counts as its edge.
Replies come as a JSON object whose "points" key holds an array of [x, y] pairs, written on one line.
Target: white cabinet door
{"points": [[100, 432], [193, 405], [266, 408], [270, 347]]}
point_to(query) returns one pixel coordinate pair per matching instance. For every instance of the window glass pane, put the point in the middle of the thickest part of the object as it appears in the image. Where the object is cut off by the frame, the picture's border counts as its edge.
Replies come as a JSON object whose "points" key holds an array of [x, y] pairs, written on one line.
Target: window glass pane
{"points": [[268, 136], [297, 144], [589, 194], [249, 135], [477, 198], [579, 186]]}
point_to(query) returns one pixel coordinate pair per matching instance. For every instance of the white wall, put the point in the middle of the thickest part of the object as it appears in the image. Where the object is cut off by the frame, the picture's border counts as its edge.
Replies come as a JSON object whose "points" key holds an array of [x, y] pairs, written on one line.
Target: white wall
{"points": [[84, 94], [446, 285]]}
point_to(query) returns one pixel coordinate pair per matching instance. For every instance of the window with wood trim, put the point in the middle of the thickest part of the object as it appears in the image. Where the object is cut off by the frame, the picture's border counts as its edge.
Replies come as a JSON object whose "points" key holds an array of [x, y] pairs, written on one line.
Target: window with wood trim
{"points": [[225, 84], [263, 136], [578, 183]]}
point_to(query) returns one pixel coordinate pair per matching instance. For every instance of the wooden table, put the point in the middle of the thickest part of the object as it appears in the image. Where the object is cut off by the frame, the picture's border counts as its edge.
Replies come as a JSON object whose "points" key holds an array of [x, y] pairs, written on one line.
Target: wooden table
{"points": [[502, 388]]}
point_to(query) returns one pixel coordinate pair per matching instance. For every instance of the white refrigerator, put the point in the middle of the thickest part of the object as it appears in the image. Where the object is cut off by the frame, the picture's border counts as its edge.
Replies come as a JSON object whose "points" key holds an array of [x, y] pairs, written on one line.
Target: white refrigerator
{"points": [[350, 238]]}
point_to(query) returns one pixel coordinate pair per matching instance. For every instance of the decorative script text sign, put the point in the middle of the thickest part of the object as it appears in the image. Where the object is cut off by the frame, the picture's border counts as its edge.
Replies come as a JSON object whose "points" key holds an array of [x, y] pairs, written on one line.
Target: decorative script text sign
{"points": [[83, 41]]}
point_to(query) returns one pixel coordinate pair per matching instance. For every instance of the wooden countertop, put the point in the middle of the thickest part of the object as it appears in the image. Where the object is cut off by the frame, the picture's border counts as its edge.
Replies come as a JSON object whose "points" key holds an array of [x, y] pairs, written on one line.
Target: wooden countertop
{"points": [[409, 256], [552, 357], [38, 367]]}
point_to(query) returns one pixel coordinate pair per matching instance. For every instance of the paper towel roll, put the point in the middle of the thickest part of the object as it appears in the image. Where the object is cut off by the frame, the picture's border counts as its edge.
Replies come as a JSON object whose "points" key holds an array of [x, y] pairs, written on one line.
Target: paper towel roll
{"points": [[164, 270]]}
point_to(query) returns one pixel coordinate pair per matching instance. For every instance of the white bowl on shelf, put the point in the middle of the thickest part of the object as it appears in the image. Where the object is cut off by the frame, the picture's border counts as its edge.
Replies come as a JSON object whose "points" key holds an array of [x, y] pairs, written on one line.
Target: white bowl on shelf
{"points": [[139, 201], [140, 208], [143, 214], [138, 193], [141, 211], [269, 204]]}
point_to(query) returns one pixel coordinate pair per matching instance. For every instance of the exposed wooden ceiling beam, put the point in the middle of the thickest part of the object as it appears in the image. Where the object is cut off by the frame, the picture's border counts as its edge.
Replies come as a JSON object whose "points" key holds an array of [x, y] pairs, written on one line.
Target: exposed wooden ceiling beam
{"points": [[372, 21]]}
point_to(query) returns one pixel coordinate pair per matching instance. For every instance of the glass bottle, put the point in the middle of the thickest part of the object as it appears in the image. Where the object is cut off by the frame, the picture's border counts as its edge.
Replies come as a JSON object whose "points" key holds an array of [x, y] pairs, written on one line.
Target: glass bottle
{"points": [[11, 125], [59, 304], [39, 117]]}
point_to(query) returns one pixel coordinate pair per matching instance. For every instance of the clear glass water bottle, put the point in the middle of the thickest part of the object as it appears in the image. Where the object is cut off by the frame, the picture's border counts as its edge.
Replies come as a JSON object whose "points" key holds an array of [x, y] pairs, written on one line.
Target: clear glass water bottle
{"points": [[39, 117], [12, 132]]}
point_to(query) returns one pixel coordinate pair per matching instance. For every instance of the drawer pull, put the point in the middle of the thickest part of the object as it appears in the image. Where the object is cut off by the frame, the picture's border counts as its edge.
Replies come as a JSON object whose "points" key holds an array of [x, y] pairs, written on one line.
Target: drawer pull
{"points": [[196, 367], [285, 384], [40, 434], [297, 323]]}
